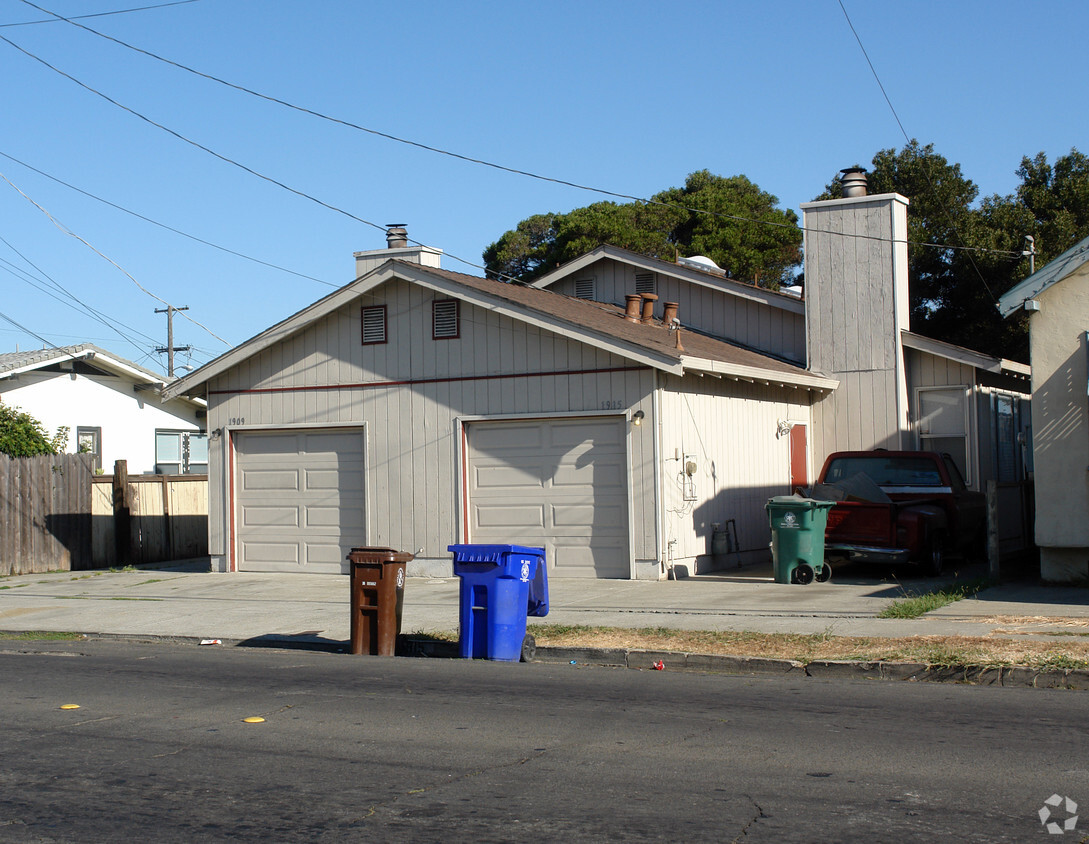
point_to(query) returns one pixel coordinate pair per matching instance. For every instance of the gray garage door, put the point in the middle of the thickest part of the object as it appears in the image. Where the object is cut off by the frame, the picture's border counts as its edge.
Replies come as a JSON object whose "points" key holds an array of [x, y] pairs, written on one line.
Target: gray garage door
{"points": [[299, 499], [560, 484]]}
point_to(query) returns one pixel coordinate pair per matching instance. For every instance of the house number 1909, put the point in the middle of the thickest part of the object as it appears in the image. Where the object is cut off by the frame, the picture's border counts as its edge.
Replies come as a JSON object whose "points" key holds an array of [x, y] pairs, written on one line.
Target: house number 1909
{"points": [[237, 420]]}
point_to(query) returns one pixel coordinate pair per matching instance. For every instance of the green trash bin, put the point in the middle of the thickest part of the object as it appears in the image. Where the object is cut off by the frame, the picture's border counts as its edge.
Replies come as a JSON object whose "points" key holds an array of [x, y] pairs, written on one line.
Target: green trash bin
{"points": [[797, 538]]}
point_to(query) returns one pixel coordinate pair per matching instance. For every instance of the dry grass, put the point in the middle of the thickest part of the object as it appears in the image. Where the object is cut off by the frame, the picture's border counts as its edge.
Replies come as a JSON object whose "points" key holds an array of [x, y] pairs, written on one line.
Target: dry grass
{"points": [[933, 650]]}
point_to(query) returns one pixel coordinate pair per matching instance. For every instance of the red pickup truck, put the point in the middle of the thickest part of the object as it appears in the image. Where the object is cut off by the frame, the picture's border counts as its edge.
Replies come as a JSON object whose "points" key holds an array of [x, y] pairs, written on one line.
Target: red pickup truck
{"points": [[898, 507]]}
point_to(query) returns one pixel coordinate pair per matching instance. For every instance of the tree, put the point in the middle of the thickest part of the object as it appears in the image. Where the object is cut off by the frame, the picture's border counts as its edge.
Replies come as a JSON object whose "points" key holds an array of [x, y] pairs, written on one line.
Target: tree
{"points": [[21, 435], [730, 220]]}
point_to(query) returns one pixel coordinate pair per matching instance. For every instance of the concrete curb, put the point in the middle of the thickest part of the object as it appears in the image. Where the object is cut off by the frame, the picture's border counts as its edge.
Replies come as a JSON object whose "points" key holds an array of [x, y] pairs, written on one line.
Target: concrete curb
{"points": [[643, 660]]}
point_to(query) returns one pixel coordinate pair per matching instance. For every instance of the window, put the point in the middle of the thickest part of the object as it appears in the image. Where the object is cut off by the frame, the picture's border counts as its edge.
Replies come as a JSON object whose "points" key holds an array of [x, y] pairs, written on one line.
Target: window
{"points": [[89, 441], [444, 319], [374, 325], [645, 283], [181, 453], [1006, 445], [584, 288], [943, 422]]}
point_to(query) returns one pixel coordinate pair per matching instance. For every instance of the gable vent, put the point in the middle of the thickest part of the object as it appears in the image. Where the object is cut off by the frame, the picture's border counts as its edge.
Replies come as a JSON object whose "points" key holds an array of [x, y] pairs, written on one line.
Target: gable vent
{"points": [[374, 325], [645, 283], [444, 314], [584, 288]]}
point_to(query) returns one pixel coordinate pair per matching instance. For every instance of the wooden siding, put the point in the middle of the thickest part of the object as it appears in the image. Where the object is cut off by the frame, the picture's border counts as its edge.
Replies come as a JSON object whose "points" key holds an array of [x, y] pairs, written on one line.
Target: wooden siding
{"points": [[854, 313], [742, 460], [716, 312], [408, 394]]}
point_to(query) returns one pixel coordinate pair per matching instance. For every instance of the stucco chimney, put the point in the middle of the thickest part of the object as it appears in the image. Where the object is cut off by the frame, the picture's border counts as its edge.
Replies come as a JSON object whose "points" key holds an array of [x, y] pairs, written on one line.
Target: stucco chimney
{"points": [[854, 182]]}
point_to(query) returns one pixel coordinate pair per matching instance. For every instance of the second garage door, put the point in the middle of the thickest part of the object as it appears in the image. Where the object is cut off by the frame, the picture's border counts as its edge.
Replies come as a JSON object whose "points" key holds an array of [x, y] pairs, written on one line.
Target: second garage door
{"points": [[299, 499], [560, 484]]}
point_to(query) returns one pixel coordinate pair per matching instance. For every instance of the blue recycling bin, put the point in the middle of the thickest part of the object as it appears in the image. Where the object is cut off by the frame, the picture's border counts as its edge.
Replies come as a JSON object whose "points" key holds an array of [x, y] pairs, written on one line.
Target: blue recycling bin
{"points": [[500, 586]]}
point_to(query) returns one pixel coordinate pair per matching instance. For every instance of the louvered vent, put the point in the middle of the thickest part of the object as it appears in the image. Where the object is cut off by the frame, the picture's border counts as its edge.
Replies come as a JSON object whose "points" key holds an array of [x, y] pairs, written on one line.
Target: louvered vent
{"points": [[374, 325], [444, 314], [645, 283], [584, 288]]}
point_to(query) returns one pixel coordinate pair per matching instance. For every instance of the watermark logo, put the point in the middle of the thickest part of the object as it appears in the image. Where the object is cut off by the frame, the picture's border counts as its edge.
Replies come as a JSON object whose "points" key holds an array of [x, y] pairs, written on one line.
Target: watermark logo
{"points": [[1050, 811]]}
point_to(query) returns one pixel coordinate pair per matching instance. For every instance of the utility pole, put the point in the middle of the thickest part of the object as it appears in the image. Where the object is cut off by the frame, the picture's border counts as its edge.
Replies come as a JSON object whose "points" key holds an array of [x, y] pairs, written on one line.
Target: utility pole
{"points": [[1030, 252], [170, 348]]}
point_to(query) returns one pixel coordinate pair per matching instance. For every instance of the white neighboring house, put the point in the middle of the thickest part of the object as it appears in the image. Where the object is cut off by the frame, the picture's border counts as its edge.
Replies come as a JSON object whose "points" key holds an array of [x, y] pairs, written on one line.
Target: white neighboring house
{"points": [[1056, 298], [112, 407]]}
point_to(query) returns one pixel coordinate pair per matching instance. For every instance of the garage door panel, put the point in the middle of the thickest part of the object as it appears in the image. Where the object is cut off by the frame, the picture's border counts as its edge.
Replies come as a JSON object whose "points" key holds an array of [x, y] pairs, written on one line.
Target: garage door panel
{"points": [[333, 479], [573, 559], [517, 437], [589, 515], [330, 445], [568, 495], [329, 553], [508, 477], [512, 516], [255, 516], [275, 552], [300, 499], [274, 479], [593, 474]]}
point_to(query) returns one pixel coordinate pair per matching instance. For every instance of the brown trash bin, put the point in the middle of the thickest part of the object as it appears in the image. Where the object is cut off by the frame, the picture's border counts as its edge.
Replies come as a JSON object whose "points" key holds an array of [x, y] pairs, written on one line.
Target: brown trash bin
{"points": [[378, 593]]}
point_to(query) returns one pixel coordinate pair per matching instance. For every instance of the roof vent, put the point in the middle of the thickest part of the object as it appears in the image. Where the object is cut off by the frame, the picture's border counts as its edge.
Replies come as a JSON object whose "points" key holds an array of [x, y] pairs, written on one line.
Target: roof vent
{"points": [[854, 182], [396, 236], [702, 262]]}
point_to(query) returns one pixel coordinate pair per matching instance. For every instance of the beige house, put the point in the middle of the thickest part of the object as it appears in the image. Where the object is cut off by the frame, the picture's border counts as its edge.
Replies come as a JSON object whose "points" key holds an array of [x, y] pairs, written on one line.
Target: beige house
{"points": [[631, 415], [1057, 300], [415, 407]]}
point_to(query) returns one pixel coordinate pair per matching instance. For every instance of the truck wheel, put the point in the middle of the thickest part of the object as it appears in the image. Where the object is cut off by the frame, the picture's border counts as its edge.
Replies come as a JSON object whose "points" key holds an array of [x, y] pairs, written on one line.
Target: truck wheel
{"points": [[935, 554], [803, 574]]}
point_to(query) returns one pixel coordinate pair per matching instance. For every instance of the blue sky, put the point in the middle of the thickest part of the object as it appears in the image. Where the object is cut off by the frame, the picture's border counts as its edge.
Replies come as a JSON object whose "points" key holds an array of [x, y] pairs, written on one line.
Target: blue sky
{"points": [[626, 96]]}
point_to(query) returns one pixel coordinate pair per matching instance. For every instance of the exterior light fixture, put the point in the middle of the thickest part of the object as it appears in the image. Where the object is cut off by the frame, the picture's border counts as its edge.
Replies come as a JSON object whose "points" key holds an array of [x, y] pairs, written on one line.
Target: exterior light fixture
{"points": [[637, 418]]}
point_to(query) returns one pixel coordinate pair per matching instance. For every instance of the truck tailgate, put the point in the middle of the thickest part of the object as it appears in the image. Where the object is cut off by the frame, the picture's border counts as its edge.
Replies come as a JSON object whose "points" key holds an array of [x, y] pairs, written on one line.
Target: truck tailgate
{"points": [[860, 523]]}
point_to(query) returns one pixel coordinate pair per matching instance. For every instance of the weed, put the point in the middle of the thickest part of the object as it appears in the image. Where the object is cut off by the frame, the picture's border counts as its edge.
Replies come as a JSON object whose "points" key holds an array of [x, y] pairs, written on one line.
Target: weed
{"points": [[918, 605], [38, 636]]}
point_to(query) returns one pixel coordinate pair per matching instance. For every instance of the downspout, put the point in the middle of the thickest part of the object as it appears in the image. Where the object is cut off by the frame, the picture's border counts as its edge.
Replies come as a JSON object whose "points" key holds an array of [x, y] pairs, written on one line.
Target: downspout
{"points": [[659, 503]]}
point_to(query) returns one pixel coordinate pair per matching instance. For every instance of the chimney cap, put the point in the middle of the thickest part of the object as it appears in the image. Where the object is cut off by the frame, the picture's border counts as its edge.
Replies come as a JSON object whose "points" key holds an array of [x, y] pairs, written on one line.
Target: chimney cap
{"points": [[854, 181]]}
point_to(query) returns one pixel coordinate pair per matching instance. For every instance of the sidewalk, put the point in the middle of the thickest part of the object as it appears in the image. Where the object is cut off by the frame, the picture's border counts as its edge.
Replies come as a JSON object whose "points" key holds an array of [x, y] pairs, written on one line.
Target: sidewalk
{"points": [[183, 600]]}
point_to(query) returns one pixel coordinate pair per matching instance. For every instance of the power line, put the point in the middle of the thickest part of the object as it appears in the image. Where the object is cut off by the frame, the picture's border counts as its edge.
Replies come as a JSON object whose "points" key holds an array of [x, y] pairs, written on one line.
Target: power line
{"points": [[100, 14], [104, 257], [440, 151], [926, 174], [98, 316], [164, 225]]}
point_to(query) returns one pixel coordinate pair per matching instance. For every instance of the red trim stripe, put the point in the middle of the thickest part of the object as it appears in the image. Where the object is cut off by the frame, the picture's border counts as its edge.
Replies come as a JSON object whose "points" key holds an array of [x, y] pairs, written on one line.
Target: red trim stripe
{"points": [[374, 384]]}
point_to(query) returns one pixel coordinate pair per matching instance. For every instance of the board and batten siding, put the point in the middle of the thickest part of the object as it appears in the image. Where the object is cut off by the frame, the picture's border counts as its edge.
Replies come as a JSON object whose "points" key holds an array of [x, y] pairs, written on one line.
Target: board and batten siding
{"points": [[856, 307], [776, 331], [742, 457], [409, 393]]}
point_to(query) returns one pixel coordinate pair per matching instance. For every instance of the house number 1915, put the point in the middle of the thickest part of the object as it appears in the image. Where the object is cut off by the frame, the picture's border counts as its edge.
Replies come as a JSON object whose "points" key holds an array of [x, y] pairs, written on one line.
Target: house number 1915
{"points": [[612, 404]]}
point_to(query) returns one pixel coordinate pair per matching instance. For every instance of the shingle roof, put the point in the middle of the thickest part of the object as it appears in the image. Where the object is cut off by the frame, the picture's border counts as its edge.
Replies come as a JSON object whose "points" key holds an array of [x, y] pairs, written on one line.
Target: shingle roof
{"points": [[10, 361], [592, 322], [609, 320]]}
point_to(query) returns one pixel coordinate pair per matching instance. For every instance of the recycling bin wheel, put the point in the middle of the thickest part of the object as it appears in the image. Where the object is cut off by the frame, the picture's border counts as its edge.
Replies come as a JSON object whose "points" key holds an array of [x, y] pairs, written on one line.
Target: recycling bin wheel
{"points": [[803, 574], [825, 573]]}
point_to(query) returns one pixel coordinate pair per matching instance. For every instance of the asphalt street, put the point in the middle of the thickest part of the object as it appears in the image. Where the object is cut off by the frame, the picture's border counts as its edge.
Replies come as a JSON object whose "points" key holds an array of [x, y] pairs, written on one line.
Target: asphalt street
{"points": [[366, 748]]}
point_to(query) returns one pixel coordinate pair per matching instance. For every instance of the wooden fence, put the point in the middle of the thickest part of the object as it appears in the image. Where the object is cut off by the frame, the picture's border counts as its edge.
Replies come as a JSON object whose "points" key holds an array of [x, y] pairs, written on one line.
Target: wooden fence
{"points": [[148, 518], [45, 513]]}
